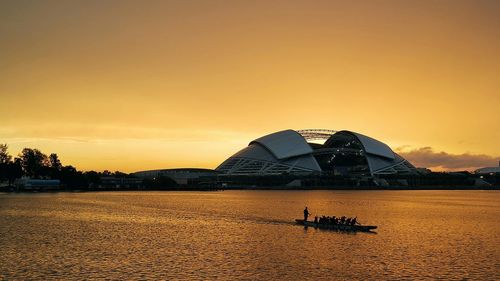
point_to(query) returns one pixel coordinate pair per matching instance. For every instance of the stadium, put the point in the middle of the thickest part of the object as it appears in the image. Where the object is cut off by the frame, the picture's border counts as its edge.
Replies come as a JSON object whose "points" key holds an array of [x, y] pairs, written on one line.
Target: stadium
{"points": [[317, 151], [314, 158]]}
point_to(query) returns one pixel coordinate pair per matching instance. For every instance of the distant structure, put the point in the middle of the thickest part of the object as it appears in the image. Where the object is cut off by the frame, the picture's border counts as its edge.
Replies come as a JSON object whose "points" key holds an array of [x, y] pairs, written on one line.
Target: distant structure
{"points": [[316, 151], [108, 182], [181, 176], [29, 184], [317, 158], [489, 170]]}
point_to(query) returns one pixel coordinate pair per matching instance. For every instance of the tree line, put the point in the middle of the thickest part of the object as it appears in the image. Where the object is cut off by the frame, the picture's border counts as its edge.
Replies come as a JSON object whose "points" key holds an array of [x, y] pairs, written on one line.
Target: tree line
{"points": [[34, 164]]}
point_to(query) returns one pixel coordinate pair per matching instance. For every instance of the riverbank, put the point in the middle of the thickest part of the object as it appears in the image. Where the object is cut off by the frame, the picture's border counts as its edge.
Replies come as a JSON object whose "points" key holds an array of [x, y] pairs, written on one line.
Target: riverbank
{"points": [[282, 188]]}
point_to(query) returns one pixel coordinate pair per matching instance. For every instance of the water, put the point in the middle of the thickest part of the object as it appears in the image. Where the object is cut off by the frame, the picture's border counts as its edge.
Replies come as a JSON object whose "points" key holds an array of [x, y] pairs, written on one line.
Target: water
{"points": [[248, 235]]}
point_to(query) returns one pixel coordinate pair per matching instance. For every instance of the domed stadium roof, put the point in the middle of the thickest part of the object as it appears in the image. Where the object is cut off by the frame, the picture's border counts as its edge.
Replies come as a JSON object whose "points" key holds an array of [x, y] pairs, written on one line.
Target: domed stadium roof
{"points": [[374, 146], [284, 144], [343, 152]]}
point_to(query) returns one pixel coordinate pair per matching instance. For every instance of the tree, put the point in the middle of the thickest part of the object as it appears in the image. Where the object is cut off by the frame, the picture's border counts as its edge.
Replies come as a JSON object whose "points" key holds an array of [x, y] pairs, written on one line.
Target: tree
{"points": [[5, 160], [4, 155], [55, 166], [14, 170], [9, 170], [72, 178], [118, 174], [93, 178], [54, 161], [33, 162]]}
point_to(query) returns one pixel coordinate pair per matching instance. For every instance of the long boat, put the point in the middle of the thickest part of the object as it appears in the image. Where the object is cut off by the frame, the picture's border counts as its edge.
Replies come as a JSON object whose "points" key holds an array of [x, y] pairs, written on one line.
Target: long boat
{"points": [[340, 227]]}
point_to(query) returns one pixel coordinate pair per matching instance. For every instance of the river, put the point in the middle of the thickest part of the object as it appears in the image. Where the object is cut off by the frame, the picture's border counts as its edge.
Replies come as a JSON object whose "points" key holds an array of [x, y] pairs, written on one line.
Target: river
{"points": [[248, 235]]}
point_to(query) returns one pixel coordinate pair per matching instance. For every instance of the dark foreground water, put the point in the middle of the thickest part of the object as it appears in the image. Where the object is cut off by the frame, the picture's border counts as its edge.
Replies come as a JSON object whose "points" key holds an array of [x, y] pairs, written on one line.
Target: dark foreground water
{"points": [[248, 235]]}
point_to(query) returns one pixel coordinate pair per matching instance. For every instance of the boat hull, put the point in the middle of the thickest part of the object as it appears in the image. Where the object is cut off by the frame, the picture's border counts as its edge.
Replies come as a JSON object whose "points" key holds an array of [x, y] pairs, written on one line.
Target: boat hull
{"points": [[362, 228]]}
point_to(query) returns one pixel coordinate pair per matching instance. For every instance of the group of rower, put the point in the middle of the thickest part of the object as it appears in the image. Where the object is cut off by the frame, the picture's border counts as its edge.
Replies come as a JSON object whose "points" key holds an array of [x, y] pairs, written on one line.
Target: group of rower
{"points": [[331, 220], [336, 221]]}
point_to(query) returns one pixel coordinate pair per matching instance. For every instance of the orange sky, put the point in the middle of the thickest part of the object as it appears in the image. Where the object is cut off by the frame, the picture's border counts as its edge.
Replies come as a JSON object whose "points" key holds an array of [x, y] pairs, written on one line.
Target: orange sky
{"points": [[134, 85]]}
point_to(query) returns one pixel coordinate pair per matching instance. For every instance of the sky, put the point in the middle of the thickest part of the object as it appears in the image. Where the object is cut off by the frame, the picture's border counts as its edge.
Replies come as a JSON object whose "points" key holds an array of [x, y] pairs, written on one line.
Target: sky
{"points": [[137, 85]]}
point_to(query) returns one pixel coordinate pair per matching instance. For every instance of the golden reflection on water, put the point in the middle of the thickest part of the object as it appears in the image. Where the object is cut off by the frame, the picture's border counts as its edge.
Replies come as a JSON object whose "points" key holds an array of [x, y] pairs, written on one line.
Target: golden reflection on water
{"points": [[248, 235]]}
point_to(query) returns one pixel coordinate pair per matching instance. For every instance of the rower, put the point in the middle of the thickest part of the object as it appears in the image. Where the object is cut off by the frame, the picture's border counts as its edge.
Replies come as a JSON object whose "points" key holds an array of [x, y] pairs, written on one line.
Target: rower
{"points": [[306, 214]]}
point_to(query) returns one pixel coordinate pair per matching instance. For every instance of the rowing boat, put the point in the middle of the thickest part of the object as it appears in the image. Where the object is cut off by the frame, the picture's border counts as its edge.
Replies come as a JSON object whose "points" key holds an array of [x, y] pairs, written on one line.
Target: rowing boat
{"points": [[341, 227]]}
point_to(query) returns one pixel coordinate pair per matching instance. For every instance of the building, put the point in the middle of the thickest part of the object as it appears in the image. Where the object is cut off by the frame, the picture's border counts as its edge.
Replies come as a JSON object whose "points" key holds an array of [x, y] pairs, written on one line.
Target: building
{"points": [[488, 170], [116, 183], [181, 176], [490, 175], [307, 152], [316, 159], [29, 184]]}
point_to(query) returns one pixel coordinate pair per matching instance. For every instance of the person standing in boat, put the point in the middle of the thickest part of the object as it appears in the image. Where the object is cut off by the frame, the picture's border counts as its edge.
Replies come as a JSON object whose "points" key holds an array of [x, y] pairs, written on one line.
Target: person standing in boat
{"points": [[306, 214]]}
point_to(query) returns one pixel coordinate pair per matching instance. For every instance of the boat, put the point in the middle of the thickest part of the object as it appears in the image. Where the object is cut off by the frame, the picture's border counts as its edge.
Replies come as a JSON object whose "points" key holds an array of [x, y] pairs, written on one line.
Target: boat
{"points": [[339, 227]]}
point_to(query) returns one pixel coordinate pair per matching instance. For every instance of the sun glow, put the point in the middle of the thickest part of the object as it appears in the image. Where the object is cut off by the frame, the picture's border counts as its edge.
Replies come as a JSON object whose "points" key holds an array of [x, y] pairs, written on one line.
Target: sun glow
{"points": [[126, 86]]}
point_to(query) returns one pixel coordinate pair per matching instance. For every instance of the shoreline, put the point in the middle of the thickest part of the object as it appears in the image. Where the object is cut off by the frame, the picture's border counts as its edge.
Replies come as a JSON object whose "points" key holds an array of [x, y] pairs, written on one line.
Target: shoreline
{"points": [[343, 188]]}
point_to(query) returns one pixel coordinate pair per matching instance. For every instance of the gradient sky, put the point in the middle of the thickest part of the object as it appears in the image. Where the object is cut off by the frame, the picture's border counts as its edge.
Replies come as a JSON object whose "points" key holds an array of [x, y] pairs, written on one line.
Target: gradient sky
{"points": [[135, 85]]}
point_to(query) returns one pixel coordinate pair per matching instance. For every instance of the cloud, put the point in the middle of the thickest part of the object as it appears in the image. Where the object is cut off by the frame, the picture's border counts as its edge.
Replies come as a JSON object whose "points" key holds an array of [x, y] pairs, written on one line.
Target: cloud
{"points": [[427, 157]]}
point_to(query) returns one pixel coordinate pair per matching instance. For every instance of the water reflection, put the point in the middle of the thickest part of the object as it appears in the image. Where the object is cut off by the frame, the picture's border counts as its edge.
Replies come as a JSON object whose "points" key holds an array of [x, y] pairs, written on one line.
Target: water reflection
{"points": [[248, 235]]}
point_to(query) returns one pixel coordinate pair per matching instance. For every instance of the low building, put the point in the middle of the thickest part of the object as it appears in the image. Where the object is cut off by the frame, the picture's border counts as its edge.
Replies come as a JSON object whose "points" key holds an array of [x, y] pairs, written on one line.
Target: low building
{"points": [[488, 170], [182, 176], [29, 184], [114, 182], [490, 175]]}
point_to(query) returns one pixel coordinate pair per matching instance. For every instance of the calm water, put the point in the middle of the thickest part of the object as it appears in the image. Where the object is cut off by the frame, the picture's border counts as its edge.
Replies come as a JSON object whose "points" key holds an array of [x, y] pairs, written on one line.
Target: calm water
{"points": [[248, 235]]}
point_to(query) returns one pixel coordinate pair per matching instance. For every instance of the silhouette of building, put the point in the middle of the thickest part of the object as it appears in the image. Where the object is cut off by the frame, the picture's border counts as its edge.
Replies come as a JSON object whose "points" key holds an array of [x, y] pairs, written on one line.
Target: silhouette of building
{"points": [[29, 184], [181, 176], [488, 170], [316, 152], [117, 183]]}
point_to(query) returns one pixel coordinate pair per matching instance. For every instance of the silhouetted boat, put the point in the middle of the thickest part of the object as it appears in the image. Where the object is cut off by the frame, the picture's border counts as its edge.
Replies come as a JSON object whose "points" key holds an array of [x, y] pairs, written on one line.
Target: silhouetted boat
{"points": [[340, 227]]}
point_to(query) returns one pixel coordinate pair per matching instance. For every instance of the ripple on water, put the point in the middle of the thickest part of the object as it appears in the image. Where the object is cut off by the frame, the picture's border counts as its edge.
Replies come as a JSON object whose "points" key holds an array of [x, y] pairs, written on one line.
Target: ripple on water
{"points": [[248, 235]]}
